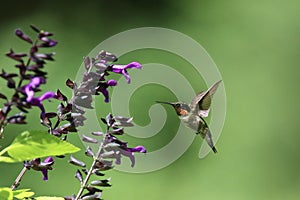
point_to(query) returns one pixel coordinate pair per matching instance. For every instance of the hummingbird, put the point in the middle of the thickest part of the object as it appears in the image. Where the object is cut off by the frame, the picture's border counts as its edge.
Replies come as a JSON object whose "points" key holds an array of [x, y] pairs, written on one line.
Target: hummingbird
{"points": [[192, 114]]}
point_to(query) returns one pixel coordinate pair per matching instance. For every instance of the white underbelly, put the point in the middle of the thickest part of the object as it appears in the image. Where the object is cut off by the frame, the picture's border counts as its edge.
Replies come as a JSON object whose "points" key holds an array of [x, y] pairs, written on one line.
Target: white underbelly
{"points": [[192, 122]]}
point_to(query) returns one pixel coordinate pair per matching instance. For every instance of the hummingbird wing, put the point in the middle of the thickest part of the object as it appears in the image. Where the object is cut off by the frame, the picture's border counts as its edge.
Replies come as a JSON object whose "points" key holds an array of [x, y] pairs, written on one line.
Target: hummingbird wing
{"points": [[202, 101]]}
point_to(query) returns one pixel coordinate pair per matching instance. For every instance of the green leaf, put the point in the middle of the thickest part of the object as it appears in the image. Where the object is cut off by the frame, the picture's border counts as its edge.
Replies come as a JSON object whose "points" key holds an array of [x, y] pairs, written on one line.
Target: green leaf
{"points": [[6, 193], [48, 198], [7, 159], [36, 144], [23, 193]]}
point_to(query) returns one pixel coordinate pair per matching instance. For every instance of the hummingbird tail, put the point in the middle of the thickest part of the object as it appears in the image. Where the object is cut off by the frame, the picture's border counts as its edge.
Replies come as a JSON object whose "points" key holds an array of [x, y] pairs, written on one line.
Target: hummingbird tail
{"points": [[214, 149], [208, 138]]}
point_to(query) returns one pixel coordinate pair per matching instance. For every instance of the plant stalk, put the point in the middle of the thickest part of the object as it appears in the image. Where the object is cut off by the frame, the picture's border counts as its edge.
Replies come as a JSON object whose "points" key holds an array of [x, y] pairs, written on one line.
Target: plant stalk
{"points": [[97, 158], [18, 179]]}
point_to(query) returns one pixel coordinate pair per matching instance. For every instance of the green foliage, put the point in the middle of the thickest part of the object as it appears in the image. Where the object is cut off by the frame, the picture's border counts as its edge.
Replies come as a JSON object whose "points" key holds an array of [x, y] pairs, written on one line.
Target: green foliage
{"points": [[35, 144], [23, 193], [6, 193], [48, 198]]}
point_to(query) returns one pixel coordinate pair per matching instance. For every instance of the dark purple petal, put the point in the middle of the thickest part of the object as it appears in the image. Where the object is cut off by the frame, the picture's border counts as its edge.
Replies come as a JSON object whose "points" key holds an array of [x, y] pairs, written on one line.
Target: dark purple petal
{"points": [[128, 154], [44, 34], [11, 83], [105, 93], [9, 77], [123, 121], [45, 166], [126, 75], [103, 183], [112, 82], [76, 162], [23, 36], [16, 56], [33, 50], [34, 67], [38, 101], [110, 119], [52, 43], [87, 63], [45, 56], [2, 116], [117, 131], [35, 82], [103, 165], [78, 175], [89, 196], [47, 42], [98, 133], [29, 93], [92, 189], [73, 197], [17, 119], [106, 57], [45, 174], [47, 95], [118, 68], [85, 171], [103, 88], [89, 152], [45, 120], [60, 96], [109, 154], [70, 84], [140, 149], [89, 139], [112, 146], [97, 172], [134, 65], [50, 114], [121, 69], [48, 160], [103, 120], [123, 150]]}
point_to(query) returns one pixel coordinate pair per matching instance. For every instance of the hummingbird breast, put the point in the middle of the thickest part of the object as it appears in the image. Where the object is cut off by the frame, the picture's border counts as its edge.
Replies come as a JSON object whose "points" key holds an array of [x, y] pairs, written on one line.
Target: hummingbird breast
{"points": [[194, 122]]}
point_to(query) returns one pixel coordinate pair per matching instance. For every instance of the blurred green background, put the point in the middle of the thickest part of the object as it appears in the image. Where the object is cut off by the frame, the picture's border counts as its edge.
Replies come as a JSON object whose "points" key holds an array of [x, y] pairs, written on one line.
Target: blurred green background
{"points": [[256, 46]]}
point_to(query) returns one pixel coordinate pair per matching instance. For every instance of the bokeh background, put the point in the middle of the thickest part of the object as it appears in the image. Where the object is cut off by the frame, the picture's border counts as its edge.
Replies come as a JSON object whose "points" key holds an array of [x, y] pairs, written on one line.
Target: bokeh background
{"points": [[256, 46]]}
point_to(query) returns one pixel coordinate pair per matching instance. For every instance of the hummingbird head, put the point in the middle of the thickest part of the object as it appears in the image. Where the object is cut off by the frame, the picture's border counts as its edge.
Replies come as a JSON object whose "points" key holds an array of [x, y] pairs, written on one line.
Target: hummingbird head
{"points": [[181, 109]]}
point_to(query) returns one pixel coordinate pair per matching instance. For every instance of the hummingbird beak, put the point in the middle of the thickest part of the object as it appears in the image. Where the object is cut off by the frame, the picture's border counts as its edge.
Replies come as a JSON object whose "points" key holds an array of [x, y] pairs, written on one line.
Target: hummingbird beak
{"points": [[164, 102]]}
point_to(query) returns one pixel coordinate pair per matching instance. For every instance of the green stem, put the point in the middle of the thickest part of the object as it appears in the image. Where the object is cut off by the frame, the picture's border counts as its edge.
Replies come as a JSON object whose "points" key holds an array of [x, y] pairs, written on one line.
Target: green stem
{"points": [[96, 159]]}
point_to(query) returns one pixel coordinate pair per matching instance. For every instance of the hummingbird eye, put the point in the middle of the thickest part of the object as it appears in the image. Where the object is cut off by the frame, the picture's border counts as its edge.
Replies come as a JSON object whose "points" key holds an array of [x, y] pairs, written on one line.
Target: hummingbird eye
{"points": [[177, 105]]}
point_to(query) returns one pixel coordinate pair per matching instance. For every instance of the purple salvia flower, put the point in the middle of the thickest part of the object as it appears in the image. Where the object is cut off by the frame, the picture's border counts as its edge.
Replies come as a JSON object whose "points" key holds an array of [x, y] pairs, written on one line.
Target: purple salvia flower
{"points": [[122, 69], [37, 165], [47, 163], [29, 90], [34, 83], [128, 152], [103, 88], [38, 101], [23, 36], [122, 150], [139, 149], [111, 82]]}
